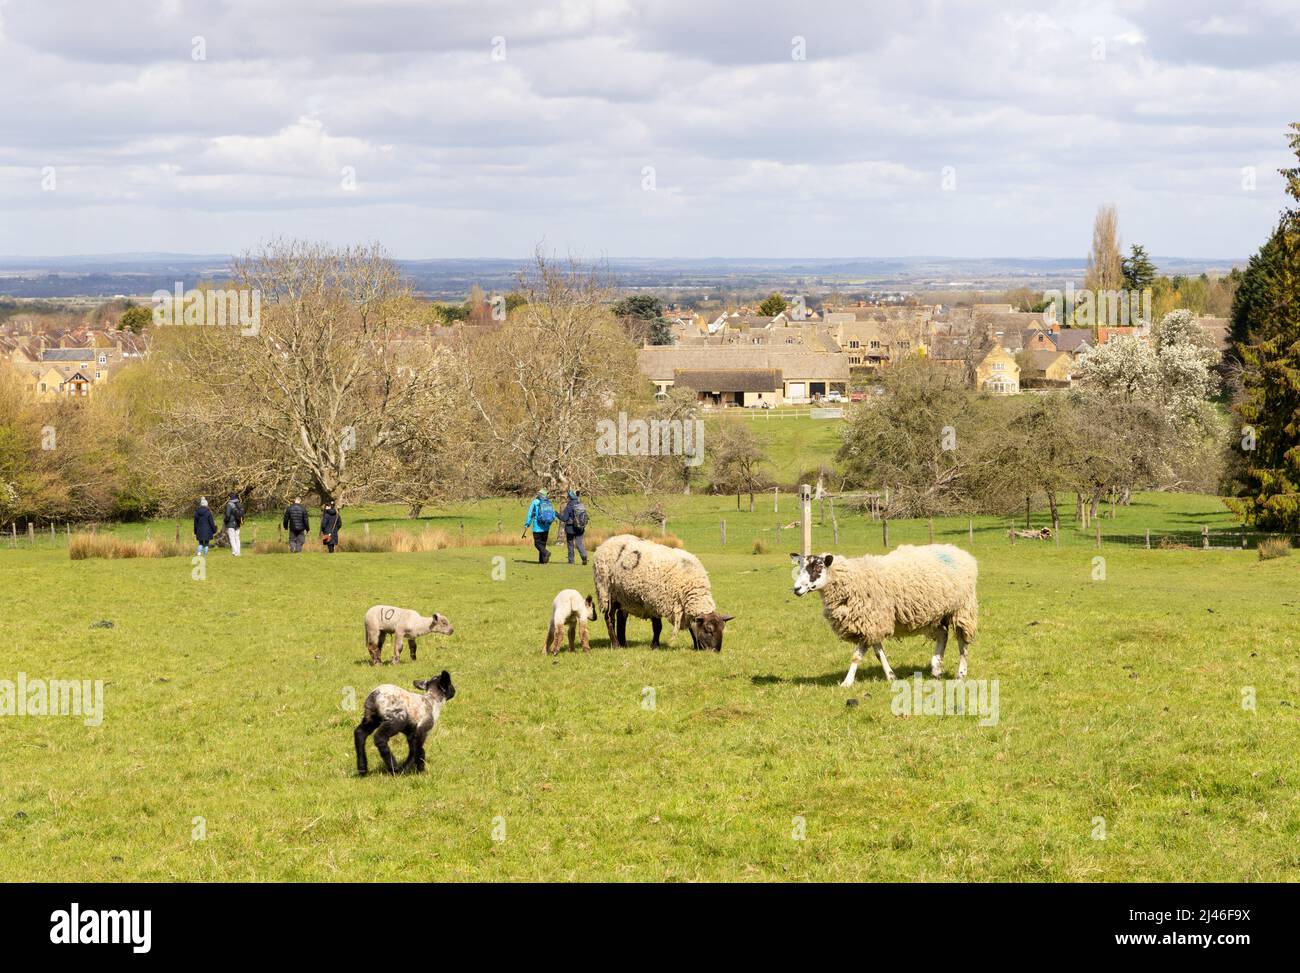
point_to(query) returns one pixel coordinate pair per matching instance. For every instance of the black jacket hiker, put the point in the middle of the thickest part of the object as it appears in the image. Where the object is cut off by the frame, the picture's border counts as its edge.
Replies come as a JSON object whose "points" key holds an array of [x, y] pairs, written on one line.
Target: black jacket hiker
{"points": [[296, 519], [330, 523]]}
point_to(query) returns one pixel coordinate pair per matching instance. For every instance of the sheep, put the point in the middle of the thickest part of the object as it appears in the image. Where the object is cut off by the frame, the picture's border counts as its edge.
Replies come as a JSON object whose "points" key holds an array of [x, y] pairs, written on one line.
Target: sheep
{"points": [[390, 710], [909, 591], [569, 610], [402, 624], [639, 577]]}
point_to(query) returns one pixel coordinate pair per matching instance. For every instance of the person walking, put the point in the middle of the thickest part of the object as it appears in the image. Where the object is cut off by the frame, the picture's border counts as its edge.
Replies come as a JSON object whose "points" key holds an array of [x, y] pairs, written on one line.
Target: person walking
{"points": [[205, 528], [297, 522], [330, 522], [574, 519], [232, 520], [541, 514]]}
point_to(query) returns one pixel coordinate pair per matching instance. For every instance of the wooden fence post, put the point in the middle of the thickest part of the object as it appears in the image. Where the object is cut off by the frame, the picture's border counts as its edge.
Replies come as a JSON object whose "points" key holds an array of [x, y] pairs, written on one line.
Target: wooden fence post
{"points": [[1205, 537], [1098, 526], [931, 525], [835, 530], [31, 533], [13, 534], [885, 531], [722, 526], [1148, 538], [776, 500], [178, 533], [805, 514], [970, 531]]}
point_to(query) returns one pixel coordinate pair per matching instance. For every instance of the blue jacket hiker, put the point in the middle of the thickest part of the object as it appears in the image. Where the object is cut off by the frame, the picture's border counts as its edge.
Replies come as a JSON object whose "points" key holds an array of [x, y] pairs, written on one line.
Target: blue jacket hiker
{"points": [[574, 519], [541, 514]]}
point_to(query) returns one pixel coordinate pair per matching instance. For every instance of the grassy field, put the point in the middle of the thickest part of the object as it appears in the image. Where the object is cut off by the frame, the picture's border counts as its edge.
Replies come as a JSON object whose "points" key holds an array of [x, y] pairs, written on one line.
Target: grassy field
{"points": [[225, 750]]}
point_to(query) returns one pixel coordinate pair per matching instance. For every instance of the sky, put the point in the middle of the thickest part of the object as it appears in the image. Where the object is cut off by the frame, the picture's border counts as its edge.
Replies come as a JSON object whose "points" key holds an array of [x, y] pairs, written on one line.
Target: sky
{"points": [[619, 128]]}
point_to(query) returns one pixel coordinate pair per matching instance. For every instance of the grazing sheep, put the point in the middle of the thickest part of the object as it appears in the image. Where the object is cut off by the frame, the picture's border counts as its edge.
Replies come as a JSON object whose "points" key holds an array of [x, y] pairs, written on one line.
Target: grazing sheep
{"points": [[402, 624], [909, 591], [390, 710], [648, 580], [569, 610]]}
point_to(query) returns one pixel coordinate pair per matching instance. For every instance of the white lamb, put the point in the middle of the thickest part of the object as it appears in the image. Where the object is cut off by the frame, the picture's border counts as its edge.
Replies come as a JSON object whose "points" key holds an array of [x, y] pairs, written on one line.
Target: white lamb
{"points": [[569, 611], [649, 580], [909, 591], [403, 624]]}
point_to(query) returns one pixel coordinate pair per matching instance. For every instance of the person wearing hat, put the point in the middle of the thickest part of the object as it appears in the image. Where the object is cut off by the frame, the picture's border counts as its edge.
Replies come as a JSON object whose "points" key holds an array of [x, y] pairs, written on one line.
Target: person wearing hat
{"points": [[541, 514], [205, 528], [574, 519]]}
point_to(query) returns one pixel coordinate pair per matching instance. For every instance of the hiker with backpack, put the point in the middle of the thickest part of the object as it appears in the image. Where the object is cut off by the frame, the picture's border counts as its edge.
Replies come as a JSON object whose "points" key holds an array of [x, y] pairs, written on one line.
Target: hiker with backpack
{"points": [[541, 514], [574, 519], [232, 520]]}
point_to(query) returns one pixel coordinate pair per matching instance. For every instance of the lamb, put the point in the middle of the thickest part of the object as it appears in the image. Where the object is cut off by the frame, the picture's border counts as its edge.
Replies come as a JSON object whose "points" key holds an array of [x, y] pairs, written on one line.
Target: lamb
{"points": [[390, 710], [648, 580], [404, 625], [569, 610], [909, 591]]}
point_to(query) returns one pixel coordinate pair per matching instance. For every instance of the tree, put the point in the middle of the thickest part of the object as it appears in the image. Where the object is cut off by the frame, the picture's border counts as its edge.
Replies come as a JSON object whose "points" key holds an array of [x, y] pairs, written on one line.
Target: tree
{"points": [[136, 318], [1139, 272], [738, 460], [1266, 329], [643, 318], [540, 385], [926, 439], [772, 305], [322, 387], [1105, 266]]}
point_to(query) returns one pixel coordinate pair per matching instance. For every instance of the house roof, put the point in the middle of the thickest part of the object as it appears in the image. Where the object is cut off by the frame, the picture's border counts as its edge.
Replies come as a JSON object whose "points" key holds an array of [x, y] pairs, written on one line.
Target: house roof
{"points": [[659, 362], [1043, 360], [1072, 339], [729, 379], [67, 354]]}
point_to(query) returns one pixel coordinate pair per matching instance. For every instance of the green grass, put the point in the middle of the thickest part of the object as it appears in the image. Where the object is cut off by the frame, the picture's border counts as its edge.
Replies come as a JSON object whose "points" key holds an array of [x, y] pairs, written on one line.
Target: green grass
{"points": [[1119, 699], [795, 444]]}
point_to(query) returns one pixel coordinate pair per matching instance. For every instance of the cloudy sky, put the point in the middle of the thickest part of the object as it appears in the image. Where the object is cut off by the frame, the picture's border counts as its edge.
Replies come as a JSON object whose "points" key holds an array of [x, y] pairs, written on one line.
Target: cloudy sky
{"points": [[691, 128]]}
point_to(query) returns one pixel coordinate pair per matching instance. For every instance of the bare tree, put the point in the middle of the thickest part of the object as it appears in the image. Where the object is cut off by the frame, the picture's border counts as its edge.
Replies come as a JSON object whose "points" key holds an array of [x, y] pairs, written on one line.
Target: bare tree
{"points": [[325, 383], [738, 460], [1105, 261], [540, 384]]}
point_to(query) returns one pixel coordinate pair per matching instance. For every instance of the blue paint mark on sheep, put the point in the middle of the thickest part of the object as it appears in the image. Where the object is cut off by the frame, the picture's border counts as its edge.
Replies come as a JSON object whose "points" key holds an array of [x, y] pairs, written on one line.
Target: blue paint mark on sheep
{"points": [[945, 557]]}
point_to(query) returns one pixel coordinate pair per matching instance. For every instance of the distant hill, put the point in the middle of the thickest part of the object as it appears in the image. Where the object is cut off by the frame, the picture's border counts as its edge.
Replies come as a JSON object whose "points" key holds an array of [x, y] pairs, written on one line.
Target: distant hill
{"points": [[140, 274]]}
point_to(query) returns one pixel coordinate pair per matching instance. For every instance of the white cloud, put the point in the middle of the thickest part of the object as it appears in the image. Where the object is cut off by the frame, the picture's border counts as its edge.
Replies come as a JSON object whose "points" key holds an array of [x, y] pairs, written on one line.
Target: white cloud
{"points": [[459, 154]]}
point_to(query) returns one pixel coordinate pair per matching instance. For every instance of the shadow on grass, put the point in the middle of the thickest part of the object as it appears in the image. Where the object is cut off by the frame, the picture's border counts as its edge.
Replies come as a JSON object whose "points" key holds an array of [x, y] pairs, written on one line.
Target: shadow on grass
{"points": [[866, 677]]}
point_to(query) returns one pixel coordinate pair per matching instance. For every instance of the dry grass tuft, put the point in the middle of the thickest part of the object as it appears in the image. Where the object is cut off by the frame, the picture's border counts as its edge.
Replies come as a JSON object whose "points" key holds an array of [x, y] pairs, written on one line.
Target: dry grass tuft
{"points": [[1274, 547]]}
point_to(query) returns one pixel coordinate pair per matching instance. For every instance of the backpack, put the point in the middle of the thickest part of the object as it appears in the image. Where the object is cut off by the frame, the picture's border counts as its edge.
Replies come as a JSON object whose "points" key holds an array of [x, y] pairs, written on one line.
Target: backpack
{"points": [[545, 515], [579, 517]]}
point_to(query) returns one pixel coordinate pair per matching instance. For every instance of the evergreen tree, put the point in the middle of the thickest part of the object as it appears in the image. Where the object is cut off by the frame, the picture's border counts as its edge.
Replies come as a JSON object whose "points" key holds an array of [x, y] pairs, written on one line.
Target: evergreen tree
{"points": [[1266, 329], [1139, 271]]}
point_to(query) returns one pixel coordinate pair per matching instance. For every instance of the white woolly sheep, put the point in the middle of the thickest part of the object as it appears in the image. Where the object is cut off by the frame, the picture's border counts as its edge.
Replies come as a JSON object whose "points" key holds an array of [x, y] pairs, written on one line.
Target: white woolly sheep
{"points": [[390, 710], [648, 580], [404, 625], [569, 611], [909, 591]]}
